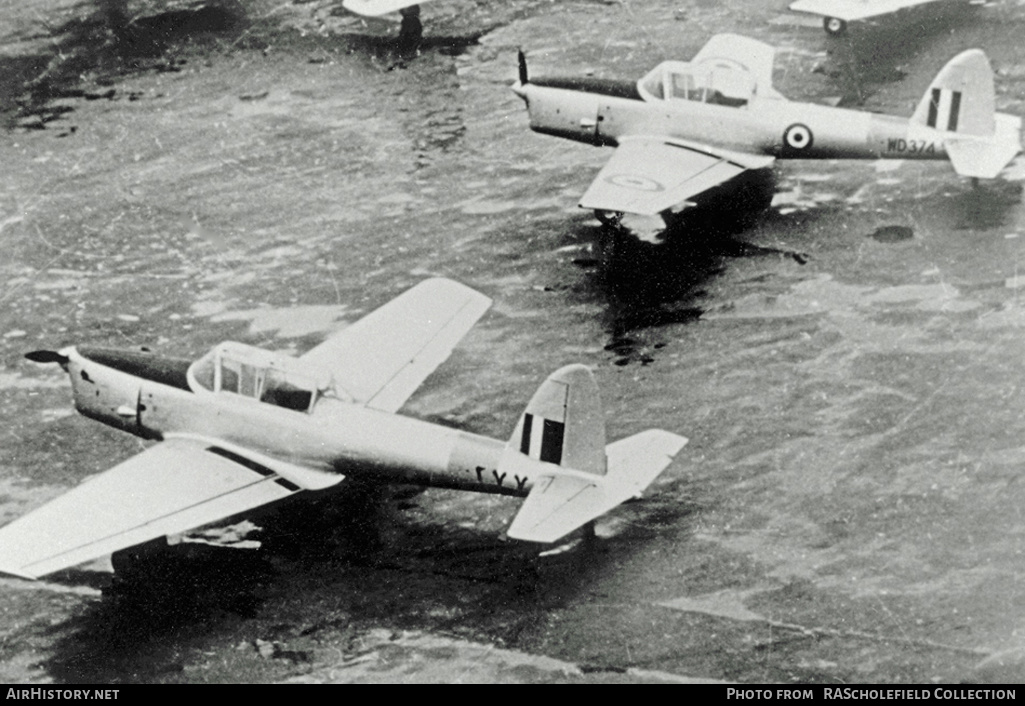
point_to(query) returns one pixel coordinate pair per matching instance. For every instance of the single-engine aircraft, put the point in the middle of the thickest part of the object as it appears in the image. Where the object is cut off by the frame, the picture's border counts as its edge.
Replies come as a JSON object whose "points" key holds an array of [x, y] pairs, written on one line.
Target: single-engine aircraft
{"points": [[411, 30], [242, 427], [376, 8], [837, 13], [686, 127]]}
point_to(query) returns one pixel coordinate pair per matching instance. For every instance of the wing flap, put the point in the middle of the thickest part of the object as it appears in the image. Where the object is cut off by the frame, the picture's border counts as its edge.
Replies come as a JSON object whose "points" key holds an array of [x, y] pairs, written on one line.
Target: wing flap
{"points": [[383, 358], [169, 488], [648, 175]]}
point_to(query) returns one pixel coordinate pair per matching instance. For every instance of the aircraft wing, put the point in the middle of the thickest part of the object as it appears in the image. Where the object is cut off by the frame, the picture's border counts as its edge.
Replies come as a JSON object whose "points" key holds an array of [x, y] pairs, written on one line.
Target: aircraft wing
{"points": [[648, 175], [848, 10], [172, 487], [383, 358], [374, 8], [756, 57]]}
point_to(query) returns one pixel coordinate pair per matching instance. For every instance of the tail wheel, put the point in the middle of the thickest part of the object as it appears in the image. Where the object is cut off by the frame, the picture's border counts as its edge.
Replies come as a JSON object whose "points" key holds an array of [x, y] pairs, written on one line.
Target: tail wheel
{"points": [[834, 26]]}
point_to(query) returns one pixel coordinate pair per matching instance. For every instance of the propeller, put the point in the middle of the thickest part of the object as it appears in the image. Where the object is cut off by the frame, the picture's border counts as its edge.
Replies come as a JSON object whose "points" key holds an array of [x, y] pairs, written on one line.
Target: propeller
{"points": [[523, 67], [48, 357]]}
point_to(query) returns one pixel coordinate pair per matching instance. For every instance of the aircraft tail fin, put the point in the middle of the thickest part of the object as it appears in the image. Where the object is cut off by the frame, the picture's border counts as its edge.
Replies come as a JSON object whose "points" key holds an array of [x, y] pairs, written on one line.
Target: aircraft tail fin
{"points": [[962, 98], [961, 102], [564, 426]]}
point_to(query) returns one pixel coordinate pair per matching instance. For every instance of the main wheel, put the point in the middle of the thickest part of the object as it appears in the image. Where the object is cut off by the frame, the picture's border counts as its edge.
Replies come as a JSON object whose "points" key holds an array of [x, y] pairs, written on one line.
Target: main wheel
{"points": [[834, 26], [609, 218]]}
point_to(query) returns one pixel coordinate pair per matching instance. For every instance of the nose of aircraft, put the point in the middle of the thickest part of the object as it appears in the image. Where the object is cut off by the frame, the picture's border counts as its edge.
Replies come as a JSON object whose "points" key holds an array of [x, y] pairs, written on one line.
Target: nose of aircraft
{"points": [[519, 88]]}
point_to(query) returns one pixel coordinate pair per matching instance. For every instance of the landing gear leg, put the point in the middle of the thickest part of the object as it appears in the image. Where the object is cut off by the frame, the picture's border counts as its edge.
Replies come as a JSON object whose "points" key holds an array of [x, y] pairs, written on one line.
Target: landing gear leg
{"points": [[834, 26], [410, 31], [133, 561], [609, 218]]}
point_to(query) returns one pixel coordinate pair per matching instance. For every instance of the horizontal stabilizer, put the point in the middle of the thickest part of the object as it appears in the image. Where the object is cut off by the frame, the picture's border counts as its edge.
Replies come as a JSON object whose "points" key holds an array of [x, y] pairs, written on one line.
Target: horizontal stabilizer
{"points": [[985, 158], [634, 462], [560, 502]]}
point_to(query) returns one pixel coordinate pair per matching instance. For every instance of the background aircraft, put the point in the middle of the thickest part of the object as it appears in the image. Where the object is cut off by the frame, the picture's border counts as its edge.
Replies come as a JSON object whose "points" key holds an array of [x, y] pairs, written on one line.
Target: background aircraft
{"points": [[411, 29], [376, 8], [837, 13], [243, 427], [687, 127]]}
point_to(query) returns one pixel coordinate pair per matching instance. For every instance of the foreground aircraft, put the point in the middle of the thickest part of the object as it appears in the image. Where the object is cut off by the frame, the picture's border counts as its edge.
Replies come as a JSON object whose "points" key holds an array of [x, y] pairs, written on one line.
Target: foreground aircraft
{"points": [[837, 13], [243, 427], [686, 127]]}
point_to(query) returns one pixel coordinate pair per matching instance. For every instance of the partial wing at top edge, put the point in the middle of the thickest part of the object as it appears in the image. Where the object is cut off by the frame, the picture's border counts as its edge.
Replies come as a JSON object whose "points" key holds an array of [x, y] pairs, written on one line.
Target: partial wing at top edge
{"points": [[375, 8], [849, 10], [169, 488], [647, 175], [384, 357]]}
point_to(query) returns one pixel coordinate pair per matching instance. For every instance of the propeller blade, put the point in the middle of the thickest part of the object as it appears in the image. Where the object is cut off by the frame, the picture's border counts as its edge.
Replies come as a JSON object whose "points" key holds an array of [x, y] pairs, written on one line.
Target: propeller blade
{"points": [[48, 357], [523, 66]]}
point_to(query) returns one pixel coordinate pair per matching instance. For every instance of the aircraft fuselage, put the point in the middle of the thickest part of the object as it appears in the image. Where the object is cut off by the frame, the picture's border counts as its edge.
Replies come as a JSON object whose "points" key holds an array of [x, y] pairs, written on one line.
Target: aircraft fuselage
{"points": [[148, 395], [602, 112]]}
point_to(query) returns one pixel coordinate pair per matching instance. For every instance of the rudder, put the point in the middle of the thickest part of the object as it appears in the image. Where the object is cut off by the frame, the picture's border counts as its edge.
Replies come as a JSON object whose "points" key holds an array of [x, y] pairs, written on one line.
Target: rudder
{"points": [[961, 98]]}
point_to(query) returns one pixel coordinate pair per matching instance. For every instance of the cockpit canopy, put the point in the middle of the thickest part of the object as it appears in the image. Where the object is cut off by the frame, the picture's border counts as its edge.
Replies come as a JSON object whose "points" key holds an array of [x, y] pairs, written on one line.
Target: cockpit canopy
{"points": [[253, 372], [714, 81]]}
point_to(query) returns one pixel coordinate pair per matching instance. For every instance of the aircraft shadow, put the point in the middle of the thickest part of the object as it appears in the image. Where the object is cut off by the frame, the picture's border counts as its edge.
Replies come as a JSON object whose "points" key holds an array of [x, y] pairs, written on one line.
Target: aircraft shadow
{"points": [[320, 566], [406, 49], [990, 205], [650, 284]]}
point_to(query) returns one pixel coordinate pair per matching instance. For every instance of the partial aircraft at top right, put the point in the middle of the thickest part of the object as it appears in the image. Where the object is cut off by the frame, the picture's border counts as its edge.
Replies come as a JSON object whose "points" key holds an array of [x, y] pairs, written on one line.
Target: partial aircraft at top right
{"points": [[837, 13]]}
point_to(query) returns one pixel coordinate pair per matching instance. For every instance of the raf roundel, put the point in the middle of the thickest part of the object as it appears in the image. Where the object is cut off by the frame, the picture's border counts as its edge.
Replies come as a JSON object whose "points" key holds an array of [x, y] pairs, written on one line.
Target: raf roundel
{"points": [[635, 181], [797, 137]]}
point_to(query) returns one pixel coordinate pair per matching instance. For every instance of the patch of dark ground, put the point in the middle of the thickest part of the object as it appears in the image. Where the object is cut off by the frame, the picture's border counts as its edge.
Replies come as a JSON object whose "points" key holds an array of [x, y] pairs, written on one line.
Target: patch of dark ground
{"points": [[88, 52]]}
